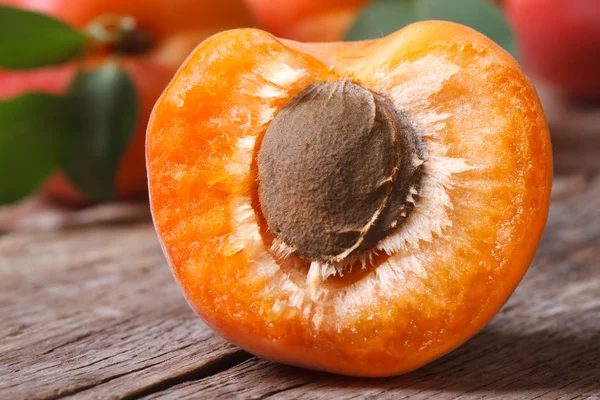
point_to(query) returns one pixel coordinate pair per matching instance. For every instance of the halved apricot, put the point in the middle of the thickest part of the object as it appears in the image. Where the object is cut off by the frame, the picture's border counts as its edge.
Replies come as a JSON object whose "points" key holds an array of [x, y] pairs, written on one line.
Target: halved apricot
{"points": [[360, 208]]}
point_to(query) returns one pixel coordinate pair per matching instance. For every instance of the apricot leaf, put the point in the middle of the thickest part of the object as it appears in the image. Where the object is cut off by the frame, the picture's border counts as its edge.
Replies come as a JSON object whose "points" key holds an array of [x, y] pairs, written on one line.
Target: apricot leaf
{"points": [[29, 40], [387, 16], [34, 133], [104, 105], [382, 18]]}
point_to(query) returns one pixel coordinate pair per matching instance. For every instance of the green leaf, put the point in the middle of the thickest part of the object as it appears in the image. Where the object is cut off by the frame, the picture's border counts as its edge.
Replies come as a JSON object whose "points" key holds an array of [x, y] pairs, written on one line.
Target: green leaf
{"points": [[105, 105], [34, 132], [30, 40], [387, 16], [382, 18]]}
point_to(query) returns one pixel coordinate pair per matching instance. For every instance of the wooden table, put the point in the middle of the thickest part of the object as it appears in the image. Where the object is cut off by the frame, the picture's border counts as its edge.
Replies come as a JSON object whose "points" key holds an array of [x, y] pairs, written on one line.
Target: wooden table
{"points": [[93, 312]]}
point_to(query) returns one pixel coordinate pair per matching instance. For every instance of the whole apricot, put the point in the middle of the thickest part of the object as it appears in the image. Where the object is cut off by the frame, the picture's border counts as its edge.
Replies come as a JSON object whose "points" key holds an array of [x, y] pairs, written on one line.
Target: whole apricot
{"points": [[166, 31], [560, 42], [360, 208], [307, 20]]}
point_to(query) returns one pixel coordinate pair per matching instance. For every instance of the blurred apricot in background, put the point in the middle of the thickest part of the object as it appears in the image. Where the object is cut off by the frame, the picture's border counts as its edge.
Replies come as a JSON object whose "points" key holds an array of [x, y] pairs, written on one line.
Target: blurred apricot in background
{"points": [[165, 33], [560, 42], [307, 20]]}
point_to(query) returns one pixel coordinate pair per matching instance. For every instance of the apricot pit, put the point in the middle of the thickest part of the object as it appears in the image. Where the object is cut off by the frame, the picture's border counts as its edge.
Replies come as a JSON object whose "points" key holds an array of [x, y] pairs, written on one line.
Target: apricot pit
{"points": [[338, 169]]}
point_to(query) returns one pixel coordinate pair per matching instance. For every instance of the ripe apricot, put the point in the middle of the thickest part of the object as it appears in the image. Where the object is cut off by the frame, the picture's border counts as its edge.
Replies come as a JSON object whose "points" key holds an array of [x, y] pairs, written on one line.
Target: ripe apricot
{"points": [[307, 20], [560, 42], [432, 140], [169, 29]]}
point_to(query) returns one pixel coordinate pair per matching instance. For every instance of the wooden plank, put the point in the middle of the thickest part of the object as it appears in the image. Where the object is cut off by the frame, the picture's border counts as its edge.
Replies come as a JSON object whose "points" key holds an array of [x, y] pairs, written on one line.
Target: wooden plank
{"points": [[544, 344], [96, 312]]}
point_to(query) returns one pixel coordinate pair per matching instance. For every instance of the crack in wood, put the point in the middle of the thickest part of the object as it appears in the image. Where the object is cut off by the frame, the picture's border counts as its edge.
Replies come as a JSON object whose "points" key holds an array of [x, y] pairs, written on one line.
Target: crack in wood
{"points": [[79, 389], [280, 391], [68, 342], [212, 368]]}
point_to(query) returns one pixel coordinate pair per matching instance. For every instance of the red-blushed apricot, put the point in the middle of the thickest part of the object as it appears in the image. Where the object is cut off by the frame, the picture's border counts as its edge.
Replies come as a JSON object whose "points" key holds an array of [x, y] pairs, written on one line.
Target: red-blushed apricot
{"points": [[422, 287], [560, 42], [168, 31], [54, 80]]}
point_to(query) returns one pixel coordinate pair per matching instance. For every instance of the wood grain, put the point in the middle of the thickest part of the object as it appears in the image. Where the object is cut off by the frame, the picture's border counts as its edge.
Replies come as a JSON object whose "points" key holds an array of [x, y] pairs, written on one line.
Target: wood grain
{"points": [[544, 344], [94, 313]]}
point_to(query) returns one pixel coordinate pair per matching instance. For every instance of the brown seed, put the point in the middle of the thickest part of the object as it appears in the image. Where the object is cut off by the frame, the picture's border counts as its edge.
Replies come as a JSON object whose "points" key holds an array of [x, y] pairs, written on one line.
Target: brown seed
{"points": [[335, 170]]}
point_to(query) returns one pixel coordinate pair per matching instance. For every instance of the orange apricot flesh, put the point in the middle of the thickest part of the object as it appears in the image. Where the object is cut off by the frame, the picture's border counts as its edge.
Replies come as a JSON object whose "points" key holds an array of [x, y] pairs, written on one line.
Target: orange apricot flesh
{"points": [[424, 289]]}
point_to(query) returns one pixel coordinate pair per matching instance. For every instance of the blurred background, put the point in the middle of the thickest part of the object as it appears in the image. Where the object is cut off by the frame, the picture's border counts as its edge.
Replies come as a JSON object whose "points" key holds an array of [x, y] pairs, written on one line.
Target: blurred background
{"points": [[78, 80]]}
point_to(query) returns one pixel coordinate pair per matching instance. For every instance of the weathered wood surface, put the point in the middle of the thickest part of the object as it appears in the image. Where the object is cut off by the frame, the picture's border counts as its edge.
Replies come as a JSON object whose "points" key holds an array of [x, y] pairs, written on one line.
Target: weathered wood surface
{"points": [[94, 313]]}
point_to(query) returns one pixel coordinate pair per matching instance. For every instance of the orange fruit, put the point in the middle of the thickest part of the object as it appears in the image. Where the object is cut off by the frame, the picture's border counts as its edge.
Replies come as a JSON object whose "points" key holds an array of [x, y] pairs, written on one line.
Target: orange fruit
{"points": [[442, 166], [307, 20]]}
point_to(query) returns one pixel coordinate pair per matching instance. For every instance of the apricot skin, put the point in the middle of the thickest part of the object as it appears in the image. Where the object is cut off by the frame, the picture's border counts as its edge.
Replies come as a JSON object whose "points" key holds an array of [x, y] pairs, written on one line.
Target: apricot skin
{"points": [[176, 27], [307, 20], [492, 132]]}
